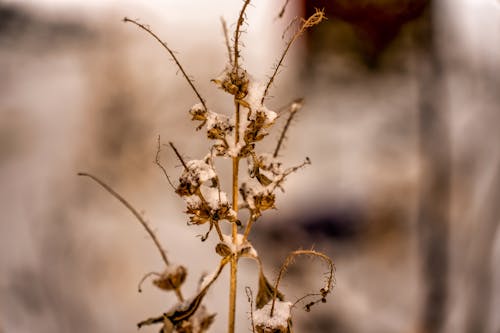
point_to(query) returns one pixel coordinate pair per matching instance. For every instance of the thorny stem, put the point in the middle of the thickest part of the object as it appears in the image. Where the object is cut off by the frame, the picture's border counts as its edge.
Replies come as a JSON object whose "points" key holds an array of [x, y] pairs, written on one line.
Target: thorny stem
{"points": [[329, 282], [226, 38], [179, 156], [172, 54], [132, 210], [158, 163], [296, 105], [313, 20], [241, 19], [236, 161]]}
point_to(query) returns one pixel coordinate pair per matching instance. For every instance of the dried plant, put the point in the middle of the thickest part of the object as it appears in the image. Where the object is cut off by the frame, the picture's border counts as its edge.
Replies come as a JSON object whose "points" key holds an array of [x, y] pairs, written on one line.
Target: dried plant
{"points": [[207, 204]]}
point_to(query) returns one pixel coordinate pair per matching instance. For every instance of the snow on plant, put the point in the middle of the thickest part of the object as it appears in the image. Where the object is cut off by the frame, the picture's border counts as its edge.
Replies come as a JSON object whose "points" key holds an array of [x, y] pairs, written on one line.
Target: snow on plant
{"points": [[234, 139]]}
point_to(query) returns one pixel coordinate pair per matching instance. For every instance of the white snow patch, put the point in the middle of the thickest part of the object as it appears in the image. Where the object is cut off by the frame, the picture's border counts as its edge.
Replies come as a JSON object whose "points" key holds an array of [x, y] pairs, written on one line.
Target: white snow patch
{"points": [[240, 245], [281, 316], [201, 169], [214, 198]]}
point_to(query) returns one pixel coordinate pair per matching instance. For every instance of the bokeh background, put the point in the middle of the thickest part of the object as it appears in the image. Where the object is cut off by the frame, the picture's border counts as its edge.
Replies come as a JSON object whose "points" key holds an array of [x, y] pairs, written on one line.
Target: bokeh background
{"points": [[401, 121]]}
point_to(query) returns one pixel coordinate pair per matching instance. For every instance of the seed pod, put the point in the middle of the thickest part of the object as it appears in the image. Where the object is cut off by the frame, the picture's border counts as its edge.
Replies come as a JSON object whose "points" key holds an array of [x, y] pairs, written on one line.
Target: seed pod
{"points": [[223, 250], [171, 279]]}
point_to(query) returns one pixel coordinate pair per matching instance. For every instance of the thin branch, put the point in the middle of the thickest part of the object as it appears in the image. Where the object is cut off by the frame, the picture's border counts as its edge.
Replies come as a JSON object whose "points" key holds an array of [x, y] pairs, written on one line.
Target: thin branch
{"points": [[172, 54], [330, 280], [282, 11], [158, 163], [313, 20], [296, 106], [281, 179], [179, 156], [132, 210], [241, 19], [248, 291], [251, 219], [226, 38]]}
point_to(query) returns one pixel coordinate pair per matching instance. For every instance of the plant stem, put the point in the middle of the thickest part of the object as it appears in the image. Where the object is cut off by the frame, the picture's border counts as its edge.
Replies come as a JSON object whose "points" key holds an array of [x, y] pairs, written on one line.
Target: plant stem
{"points": [[234, 230]]}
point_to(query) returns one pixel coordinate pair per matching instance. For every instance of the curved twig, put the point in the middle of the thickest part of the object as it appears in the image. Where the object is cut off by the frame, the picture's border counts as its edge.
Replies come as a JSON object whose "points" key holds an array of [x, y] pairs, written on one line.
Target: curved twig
{"points": [[158, 163], [132, 210], [139, 285], [172, 54], [330, 280]]}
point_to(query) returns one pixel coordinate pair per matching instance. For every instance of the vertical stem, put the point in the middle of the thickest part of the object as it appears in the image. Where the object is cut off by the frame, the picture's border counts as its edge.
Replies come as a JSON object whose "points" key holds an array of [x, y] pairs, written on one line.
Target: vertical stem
{"points": [[433, 227], [234, 230]]}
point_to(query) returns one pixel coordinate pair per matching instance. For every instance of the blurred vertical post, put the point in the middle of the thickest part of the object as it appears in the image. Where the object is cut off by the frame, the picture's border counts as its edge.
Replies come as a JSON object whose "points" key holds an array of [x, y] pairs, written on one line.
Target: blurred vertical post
{"points": [[480, 270], [434, 194]]}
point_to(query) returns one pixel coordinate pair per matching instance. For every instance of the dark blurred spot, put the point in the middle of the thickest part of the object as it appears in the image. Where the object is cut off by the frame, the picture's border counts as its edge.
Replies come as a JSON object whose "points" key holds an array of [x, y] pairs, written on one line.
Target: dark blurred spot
{"points": [[362, 29], [322, 323], [23, 287], [340, 223], [18, 24]]}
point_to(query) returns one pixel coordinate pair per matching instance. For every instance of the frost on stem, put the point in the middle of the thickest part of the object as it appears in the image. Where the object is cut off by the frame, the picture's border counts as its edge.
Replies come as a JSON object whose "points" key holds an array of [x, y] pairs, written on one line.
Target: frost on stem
{"points": [[197, 172], [205, 202], [240, 248]]}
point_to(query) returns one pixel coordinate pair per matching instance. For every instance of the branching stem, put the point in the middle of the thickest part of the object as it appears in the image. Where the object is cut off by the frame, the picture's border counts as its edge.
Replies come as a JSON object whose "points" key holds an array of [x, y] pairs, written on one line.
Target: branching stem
{"points": [[179, 156], [158, 163]]}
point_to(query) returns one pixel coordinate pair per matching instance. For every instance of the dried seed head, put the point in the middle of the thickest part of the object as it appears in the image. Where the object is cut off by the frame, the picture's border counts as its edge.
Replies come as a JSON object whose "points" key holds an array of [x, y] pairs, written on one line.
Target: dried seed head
{"points": [[218, 126], [200, 322], [196, 173], [258, 121], [198, 112], [172, 278], [223, 249], [234, 82], [257, 199]]}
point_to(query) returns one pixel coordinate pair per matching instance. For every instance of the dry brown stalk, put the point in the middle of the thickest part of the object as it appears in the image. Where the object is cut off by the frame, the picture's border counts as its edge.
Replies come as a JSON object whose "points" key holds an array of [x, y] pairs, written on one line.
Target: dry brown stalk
{"points": [[313, 20], [172, 54], [206, 203]]}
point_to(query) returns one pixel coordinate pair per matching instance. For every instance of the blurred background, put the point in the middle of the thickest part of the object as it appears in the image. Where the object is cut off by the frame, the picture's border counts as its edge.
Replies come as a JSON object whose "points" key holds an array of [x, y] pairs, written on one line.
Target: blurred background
{"points": [[401, 122]]}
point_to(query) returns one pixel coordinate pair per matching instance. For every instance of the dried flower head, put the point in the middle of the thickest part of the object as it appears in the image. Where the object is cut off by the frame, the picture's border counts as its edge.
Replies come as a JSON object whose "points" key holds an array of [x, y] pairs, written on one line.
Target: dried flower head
{"points": [[235, 138]]}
